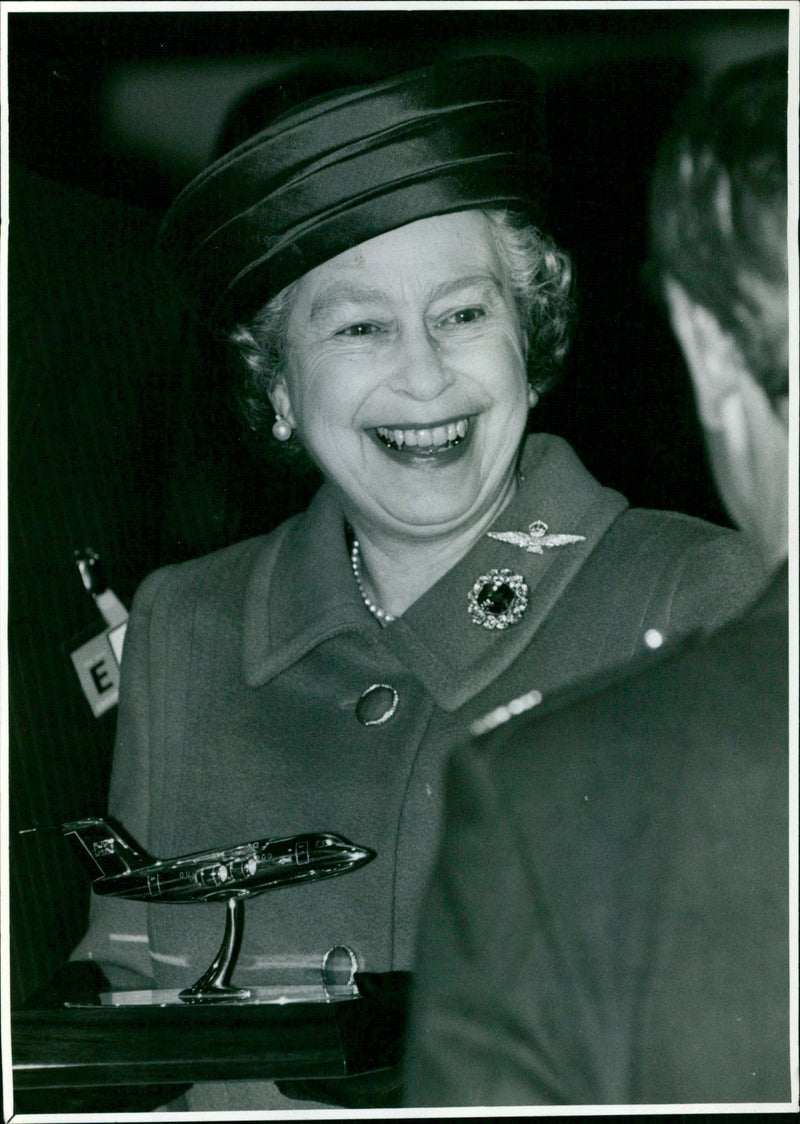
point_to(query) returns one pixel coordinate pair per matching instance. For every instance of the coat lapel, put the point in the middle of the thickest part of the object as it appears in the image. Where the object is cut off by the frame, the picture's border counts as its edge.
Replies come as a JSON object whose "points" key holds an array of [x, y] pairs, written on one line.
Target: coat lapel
{"points": [[438, 640], [301, 592]]}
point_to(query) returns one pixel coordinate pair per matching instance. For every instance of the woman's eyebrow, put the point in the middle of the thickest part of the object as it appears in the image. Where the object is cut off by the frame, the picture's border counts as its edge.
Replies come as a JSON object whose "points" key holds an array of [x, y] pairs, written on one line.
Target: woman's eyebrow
{"points": [[336, 296], [485, 280]]}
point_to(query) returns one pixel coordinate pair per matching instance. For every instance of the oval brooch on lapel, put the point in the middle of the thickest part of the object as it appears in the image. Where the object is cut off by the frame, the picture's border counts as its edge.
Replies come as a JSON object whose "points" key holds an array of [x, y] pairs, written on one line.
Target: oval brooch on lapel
{"points": [[498, 599]]}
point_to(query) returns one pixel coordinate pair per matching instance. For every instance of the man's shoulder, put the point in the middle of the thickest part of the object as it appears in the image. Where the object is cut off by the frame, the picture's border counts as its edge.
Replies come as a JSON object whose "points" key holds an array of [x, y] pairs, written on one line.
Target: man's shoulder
{"points": [[740, 669]]}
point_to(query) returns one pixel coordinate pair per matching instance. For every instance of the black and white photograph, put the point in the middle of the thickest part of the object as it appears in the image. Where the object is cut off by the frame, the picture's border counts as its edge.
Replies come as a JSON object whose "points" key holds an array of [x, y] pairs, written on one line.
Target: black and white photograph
{"points": [[400, 583]]}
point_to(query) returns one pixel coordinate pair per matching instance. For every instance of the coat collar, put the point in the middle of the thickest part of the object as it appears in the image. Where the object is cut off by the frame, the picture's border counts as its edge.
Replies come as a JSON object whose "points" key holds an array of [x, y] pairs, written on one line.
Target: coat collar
{"points": [[305, 594]]}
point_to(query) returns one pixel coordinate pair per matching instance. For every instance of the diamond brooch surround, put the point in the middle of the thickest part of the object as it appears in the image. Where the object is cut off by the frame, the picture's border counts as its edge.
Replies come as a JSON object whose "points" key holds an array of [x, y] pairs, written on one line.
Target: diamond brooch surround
{"points": [[498, 599]]}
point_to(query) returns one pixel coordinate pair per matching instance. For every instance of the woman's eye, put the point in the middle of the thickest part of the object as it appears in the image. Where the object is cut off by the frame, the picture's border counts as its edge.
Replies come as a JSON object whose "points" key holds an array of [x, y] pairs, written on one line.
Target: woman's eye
{"points": [[355, 331], [464, 316]]}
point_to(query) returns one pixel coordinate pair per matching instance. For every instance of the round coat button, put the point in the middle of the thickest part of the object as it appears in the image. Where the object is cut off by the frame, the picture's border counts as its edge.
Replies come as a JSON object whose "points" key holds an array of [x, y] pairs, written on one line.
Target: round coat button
{"points": [[377, 704]]}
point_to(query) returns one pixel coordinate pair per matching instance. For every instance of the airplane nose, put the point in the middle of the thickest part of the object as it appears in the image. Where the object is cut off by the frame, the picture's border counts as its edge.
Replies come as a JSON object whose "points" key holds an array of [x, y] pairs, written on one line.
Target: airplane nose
{"points": [[335, 846], [360, 854]]}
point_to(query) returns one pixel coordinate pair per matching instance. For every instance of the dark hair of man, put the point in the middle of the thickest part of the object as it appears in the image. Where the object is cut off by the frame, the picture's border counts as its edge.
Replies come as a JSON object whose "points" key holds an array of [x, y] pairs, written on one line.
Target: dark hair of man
{"points": [[718, 210]]}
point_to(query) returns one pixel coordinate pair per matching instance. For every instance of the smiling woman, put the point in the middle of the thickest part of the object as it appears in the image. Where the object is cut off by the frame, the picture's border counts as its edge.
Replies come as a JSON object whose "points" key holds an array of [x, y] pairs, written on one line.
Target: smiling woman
{"points": [[392, 344], [420, 350], [380, 259]]}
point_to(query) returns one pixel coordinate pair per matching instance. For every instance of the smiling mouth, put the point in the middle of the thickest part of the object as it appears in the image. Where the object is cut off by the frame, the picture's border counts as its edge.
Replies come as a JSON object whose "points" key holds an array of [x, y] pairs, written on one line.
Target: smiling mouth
{"points": [[424, 440]]}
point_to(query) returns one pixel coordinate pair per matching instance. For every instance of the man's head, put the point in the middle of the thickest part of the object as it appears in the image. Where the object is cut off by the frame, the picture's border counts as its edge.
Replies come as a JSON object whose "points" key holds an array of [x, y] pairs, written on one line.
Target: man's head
{"points": [[718, 223]]}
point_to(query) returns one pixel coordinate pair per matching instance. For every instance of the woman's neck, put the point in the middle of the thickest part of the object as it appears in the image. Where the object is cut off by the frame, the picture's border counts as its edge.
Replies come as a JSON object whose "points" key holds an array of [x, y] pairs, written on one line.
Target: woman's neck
{"points": [[396, 570]]}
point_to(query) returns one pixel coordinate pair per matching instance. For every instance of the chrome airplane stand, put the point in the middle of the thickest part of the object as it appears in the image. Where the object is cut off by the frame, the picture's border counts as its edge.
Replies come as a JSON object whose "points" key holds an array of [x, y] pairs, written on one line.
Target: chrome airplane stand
{"points": [[214, 984]]}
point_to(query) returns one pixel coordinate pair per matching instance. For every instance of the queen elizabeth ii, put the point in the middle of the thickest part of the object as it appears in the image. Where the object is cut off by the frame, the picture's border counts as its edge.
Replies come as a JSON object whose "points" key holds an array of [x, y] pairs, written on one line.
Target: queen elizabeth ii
{"points": [[378, 255]]}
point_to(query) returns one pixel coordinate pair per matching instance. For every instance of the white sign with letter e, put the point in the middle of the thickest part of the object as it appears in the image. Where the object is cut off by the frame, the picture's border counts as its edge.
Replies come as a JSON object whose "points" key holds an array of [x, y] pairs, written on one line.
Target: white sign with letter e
{"points": [[97, 664]]}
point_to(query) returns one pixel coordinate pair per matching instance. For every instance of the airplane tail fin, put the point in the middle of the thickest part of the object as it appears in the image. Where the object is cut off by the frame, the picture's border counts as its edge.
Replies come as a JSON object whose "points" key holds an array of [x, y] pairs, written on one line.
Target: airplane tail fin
{"points": [[104, 848]]}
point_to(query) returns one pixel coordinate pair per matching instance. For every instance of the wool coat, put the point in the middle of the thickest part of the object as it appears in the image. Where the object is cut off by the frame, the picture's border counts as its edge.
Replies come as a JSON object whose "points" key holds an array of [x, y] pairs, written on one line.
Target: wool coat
{"points": [[608, 922], [240, 713]]}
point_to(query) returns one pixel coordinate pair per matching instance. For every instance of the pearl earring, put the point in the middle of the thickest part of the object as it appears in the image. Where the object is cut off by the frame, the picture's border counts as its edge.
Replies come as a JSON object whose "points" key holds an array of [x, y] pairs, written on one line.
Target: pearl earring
{"points": [[533, 397], [281, 430]]}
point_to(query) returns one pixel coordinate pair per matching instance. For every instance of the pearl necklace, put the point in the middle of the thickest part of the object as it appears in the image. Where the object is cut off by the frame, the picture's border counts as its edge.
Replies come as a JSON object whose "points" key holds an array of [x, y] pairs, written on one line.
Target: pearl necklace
{"points": [[355, 561]]}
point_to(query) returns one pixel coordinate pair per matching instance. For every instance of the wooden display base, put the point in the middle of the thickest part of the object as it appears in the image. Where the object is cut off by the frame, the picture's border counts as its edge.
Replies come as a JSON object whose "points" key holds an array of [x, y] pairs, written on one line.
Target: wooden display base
{"points": [[175, 1044]]}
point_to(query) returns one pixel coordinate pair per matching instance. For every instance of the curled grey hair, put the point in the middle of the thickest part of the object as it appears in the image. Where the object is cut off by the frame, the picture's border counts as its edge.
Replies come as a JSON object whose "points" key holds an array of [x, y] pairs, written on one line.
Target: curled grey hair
{"points": [[540, 275]]}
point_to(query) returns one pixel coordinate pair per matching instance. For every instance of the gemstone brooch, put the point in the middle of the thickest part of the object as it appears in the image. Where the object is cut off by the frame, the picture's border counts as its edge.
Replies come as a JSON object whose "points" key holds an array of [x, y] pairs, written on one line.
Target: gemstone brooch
{"points": [[498, 599]]}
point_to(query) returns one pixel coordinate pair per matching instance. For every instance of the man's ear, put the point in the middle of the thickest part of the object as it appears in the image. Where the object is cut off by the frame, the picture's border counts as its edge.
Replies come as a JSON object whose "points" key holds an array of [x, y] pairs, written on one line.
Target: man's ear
{"points": [[281, 403], [712, 355], [746, 435]]}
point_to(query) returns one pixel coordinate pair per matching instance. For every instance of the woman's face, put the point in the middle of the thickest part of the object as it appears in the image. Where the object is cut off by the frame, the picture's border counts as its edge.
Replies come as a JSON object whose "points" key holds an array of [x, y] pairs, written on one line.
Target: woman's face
{"points": [[405, 377]]}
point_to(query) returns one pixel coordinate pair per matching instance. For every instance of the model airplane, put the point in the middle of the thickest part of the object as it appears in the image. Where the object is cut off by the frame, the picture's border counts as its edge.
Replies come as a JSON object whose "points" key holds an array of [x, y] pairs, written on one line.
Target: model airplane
{"points": [[118, 866]]}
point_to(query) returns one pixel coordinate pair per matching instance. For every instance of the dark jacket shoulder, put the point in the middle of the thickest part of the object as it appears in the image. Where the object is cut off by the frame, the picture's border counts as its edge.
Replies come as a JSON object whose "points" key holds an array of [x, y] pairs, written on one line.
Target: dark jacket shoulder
{"points": [[746, 655]]}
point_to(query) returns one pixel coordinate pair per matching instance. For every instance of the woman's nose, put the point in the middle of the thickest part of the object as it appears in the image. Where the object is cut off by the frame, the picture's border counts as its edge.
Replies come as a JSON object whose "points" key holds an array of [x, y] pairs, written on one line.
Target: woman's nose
{"points": [[421, 371]]}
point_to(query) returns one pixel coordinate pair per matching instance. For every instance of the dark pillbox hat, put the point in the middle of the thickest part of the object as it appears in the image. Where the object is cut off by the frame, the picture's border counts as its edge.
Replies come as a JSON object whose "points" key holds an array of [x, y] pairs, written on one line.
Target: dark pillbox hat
{"points": [[343, 168]]}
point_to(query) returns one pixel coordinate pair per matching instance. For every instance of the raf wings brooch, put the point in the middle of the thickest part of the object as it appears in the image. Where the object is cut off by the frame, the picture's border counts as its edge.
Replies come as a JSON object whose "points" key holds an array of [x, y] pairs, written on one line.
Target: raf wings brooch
{"points": [[536, 538]]}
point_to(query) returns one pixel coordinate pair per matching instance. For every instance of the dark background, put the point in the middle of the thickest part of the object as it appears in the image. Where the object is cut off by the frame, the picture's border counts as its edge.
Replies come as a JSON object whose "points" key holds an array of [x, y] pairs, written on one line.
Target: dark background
{"points": [[121, 433]]}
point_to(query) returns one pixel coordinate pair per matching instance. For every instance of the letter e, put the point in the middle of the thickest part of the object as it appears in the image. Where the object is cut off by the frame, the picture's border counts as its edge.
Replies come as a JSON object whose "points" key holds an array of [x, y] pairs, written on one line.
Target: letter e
{"points": [[99, 674]]}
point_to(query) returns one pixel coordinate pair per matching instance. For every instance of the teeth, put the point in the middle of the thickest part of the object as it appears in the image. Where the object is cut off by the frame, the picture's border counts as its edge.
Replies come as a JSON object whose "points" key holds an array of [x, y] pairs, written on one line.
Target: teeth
{"points": [[426, 438]]}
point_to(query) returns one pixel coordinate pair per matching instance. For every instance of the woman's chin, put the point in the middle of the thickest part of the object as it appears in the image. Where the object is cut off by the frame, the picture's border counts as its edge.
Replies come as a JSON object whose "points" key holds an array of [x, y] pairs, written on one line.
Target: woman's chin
{"points": [[425, 514], [431, 490]]}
